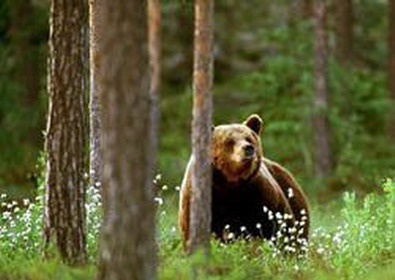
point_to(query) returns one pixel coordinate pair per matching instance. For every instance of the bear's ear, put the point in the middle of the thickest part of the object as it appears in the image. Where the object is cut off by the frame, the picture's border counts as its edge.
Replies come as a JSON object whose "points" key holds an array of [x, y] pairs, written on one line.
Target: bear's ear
{"points": [[255, 123]]}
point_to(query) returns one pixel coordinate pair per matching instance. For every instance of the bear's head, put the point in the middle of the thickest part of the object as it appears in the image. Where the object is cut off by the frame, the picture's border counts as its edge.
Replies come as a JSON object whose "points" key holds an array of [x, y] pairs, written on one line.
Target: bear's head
{"points": [[236, 149]]}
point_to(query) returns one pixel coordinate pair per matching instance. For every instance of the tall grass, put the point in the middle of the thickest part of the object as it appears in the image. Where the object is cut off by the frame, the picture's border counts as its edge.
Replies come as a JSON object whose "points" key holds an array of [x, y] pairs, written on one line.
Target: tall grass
{"points": [[356, 243]]}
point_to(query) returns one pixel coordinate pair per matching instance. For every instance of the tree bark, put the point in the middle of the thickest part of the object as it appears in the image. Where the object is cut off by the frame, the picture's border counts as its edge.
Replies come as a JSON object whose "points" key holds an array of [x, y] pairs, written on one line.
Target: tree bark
{"points": [[307, 7], [320, 103], [154, 38], [64, 217], [95, 28], [344, 31], [127, 249], [391, 66], [201, 127]]}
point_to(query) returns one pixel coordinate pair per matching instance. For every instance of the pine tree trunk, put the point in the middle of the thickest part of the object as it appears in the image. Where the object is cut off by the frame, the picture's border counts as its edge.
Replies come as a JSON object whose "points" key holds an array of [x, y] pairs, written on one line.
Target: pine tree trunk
{"points": [[127, 249], [320, 103], [154, 23], [391, 66], [64, 217], [344, 31], [95, 27], [201, 127]]}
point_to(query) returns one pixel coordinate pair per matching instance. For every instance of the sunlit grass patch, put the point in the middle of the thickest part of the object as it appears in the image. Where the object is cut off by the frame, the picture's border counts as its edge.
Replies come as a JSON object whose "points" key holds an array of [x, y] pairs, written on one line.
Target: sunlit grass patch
{"points": [[358, 243]]}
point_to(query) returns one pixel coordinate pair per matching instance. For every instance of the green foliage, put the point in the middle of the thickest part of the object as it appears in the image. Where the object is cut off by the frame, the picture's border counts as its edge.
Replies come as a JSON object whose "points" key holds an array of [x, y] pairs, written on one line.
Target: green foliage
{"points": [[281, 91], [21, 119]]}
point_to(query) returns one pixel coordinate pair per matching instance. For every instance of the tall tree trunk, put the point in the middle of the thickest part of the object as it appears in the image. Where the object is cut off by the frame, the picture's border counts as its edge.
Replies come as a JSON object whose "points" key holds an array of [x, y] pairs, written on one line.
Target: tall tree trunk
{"points": [[200, 223], [391, 66], [320, 104], [64, 217], [128, 236], [154, 23], [95, 29], [344, 31]]}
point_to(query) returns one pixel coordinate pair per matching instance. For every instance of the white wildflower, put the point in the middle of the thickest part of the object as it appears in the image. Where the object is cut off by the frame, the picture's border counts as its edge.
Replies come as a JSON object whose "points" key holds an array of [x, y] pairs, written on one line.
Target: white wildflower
{"points": [[290, 193], [320, 250], [159, 200], [279, 216]]}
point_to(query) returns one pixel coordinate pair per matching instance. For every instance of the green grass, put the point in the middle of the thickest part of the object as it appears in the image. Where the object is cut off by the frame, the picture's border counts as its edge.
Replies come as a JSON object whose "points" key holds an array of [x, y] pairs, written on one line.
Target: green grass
{"points": [[350, 239]]}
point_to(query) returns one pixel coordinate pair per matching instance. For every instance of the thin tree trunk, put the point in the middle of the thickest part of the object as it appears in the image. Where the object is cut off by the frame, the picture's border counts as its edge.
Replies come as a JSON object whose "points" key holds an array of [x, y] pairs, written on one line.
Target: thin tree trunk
{"points": [[391, 66], [344, 31], [154, 23], [127, 249], [320, 103], [201, 127], [95, 28], [64, 217], [307, 7]]}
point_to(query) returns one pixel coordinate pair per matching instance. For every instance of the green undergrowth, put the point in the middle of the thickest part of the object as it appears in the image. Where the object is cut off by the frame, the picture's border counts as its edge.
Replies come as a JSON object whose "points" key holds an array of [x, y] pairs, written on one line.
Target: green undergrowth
{"points": [[350, 239]]}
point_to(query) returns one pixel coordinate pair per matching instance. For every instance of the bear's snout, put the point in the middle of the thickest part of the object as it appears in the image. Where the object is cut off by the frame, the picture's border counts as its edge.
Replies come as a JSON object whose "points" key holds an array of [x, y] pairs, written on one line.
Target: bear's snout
{"points": [[249, 150]]}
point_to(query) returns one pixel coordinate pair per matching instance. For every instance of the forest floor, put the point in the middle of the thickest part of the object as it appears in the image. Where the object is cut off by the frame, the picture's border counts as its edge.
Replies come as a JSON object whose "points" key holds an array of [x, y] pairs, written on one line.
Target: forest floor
{"points": [[350, 239]]}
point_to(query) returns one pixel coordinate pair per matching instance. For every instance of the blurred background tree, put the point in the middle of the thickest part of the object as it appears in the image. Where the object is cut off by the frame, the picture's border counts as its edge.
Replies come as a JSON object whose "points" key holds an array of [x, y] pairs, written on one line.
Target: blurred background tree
{"points": [[263, 64]]}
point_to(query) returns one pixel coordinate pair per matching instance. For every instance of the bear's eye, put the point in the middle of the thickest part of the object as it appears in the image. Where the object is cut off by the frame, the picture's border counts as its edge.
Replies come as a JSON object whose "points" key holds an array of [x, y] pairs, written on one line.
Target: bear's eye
{"points": [[229, 142]]}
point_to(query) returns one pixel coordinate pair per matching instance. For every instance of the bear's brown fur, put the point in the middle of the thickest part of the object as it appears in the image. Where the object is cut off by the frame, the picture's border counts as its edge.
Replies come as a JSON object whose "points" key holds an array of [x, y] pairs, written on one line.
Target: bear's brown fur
{"points": [[246, 187]]}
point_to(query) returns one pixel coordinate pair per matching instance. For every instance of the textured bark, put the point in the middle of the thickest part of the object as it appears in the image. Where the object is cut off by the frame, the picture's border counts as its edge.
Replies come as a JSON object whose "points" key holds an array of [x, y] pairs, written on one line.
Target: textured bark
{"points": [[320, 102], [344, 31], [127, 249], [154, 23], [201, 127], [391, 66], [64, 217], [95, 26]]}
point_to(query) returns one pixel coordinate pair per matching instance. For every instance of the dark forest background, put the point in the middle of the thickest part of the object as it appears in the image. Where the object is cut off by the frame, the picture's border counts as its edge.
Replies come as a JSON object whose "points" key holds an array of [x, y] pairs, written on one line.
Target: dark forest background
{"points": [[263, 64]]}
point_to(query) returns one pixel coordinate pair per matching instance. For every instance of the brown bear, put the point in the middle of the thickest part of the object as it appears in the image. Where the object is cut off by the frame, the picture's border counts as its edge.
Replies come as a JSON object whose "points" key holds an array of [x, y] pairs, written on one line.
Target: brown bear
{"points": [[252, 196]]}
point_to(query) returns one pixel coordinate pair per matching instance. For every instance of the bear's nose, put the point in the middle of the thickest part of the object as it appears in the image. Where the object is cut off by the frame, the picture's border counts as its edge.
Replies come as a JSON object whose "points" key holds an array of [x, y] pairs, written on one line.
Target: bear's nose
{"points": [[249, 150]]}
